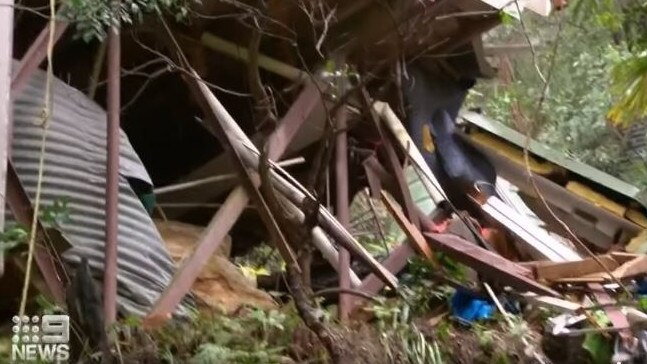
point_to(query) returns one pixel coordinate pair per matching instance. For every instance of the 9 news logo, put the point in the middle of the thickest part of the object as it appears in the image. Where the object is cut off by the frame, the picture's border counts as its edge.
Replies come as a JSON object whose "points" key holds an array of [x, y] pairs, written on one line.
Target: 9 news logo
{"points": [[40, 338]]}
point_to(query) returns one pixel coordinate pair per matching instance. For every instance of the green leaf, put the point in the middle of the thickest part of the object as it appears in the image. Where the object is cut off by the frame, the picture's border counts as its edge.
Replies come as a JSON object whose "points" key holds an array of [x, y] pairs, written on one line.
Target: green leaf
{"points": [[506, 18], [8, 245], [600, 349], [630, 88]]}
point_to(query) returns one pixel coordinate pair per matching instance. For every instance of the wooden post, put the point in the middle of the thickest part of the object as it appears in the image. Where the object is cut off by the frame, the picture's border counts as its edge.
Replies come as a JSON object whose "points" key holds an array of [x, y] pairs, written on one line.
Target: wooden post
{"points": [[343, 214], [6, 50], [112, 178]]}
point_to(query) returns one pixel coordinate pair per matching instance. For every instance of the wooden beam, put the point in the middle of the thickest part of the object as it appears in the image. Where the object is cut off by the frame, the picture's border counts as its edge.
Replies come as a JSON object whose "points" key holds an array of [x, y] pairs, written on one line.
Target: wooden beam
{"points": [[239, 53], [343, 208], [34, 56], [228, 214], [557, 270], [415, 236], [489, 264], [6, 51], [287, 139]]}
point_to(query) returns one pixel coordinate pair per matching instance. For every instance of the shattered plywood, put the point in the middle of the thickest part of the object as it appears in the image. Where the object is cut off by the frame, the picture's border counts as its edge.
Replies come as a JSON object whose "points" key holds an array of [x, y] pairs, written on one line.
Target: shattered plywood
{"points": [[179, 235], [220, 283]]}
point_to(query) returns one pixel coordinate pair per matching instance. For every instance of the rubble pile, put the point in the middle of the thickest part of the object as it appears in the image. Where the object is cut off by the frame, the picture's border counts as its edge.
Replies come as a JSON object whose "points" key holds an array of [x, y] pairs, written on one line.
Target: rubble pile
{"points": [[374, 102]]}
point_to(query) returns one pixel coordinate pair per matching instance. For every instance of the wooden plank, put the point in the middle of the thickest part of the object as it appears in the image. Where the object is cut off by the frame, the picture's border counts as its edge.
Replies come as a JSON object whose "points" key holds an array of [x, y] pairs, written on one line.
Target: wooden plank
{"points": [[397, 260], [581, 280], [617, 318], [558, 270], [415, 236], [225, 218], [488, 264], [6, 48], [554, 303], [622, 257], [403, 188], [632, 268], [288, 138], [536, 240]]}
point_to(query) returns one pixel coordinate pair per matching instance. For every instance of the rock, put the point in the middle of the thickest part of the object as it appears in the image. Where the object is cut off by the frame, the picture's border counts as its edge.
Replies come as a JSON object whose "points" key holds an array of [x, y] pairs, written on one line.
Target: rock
{"points": [[220, 284]]}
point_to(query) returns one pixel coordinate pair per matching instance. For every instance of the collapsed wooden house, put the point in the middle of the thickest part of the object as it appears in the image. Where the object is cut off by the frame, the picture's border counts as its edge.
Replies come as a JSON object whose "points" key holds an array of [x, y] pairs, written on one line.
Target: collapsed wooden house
{"points": [[381, 83]]}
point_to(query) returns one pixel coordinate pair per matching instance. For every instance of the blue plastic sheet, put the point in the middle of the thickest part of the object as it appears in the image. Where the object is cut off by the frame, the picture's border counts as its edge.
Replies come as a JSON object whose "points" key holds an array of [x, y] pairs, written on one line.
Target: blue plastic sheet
{"points": [[469, 308]]}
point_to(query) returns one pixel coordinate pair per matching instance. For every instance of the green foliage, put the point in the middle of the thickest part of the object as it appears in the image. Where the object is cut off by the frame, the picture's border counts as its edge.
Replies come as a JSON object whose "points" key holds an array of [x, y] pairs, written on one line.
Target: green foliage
{"points": [[506, 19], [261, 260], [403, 338], [599, 348], [216, 353], [573, 117], [15, 235], [630, 89], [419, 285], [602, 12], [628, 22], [255, 336], [365, 229], [92, 18], [56, 214], [339, 77], [12, 237], [642, 303], [484, 335]]}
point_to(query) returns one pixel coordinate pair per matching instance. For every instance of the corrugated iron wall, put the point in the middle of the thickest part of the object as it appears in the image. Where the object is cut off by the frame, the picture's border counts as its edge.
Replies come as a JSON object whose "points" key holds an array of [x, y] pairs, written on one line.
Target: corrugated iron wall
{"points": [[75, 169]]}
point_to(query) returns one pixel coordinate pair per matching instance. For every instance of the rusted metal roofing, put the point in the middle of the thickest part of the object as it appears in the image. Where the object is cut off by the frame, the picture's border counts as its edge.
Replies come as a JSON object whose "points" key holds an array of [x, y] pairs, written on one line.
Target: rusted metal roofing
{"points": [[75, 169]]}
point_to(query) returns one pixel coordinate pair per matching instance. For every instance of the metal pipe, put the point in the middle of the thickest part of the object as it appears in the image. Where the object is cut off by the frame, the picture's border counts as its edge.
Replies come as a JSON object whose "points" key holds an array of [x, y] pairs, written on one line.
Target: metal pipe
{"points": [[112, 178], [343, 214], [6, 48]]}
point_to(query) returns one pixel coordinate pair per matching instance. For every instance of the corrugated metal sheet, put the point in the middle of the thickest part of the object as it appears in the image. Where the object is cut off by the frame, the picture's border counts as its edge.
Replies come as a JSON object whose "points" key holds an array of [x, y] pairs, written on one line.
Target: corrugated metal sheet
{"points": [[75, 168]]}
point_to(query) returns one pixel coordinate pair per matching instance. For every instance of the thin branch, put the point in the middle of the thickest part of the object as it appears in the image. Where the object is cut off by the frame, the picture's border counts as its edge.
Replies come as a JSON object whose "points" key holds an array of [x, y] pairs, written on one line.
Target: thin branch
{"points": [[143, 87], [526, 148], [532, 46], [263, 104], [354, 292]]}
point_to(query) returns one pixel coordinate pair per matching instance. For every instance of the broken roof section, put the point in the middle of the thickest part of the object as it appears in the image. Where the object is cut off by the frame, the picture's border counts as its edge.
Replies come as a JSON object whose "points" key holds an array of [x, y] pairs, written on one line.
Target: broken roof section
{"points": [[543, 151]]}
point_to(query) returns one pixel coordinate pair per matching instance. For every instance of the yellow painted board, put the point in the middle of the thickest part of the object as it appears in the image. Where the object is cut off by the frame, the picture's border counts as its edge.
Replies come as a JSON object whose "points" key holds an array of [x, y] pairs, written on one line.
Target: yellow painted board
{"points": [[596, 198], [637, 217], [513, 153], [638, 245], [427, 139]]}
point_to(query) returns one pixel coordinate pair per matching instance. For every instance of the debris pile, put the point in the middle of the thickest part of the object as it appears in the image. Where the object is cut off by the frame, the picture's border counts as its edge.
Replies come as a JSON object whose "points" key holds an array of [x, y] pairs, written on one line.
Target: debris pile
{"points": [[382, 113]]}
